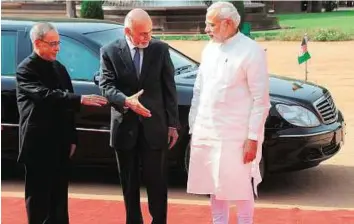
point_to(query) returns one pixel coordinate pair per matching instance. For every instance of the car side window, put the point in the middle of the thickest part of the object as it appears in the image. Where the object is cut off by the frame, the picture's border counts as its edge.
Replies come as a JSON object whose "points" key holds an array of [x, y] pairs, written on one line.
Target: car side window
{"points": [[79, 60], [8, 53]]}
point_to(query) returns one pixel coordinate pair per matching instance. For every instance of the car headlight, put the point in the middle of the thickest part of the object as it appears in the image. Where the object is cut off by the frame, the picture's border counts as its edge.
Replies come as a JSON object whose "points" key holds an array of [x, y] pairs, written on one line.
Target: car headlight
{"points": [[298, 115]]}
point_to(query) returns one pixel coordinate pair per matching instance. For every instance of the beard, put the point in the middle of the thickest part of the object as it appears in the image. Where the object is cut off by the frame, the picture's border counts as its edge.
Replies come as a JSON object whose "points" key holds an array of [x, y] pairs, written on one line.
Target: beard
{"points": [[138, 45], [143, 45], [217, 39]]}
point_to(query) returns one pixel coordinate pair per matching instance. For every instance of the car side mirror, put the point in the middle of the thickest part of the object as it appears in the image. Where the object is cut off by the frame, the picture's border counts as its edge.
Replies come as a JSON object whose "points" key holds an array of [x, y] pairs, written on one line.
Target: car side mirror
{"points": [[96, 78]]}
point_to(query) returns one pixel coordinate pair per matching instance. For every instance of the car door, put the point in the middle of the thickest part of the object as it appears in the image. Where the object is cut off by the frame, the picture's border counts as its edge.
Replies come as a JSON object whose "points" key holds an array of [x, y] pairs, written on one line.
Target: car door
{"points": [[15, 46], [93, 123]]}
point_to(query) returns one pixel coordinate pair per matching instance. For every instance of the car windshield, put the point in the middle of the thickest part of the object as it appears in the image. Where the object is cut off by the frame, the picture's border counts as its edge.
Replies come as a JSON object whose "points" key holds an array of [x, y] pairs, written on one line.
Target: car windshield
{"points": [[104, 37], [181, 63]]}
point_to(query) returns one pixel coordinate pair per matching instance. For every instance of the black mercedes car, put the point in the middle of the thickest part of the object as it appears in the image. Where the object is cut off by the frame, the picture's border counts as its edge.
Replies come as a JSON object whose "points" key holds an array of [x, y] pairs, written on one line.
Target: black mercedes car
{"points": [[304, 126]]}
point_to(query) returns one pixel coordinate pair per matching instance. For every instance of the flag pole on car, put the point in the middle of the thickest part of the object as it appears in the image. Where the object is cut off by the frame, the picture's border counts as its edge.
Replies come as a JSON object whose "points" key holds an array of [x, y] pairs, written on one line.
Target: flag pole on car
{"points": [[304, 55]]}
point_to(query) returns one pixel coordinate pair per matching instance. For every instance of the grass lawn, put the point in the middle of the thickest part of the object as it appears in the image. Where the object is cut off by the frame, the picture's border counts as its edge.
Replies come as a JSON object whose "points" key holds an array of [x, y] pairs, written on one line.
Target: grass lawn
{"points": [[342, 22], [338, 19]]}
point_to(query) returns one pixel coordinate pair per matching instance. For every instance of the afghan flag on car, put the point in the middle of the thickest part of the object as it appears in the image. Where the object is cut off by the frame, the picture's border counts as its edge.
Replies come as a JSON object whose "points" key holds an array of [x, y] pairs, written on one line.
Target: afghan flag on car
{"points": [[304, 54]]}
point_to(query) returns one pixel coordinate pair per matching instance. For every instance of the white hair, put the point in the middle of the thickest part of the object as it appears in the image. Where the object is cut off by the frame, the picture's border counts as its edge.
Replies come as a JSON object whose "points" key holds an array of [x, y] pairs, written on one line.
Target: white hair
{"points": [[226, 11], [39, 30], [128, 22]]}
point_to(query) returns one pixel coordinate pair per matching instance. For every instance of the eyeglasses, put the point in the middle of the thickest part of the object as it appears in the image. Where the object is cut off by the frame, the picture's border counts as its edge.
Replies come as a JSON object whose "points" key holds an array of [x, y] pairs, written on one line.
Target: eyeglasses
{"points": [[52, 43]]}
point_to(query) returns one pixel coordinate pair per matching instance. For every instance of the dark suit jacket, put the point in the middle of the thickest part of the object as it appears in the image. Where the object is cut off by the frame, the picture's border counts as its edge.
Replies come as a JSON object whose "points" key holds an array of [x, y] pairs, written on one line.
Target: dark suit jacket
{"points": [[119, 80], [46, 105]]}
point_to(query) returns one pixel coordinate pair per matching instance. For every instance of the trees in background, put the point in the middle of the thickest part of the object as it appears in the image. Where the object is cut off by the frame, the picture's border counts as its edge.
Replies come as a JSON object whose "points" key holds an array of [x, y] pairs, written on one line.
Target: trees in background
{"points": [[91, 9], [329, 6]]}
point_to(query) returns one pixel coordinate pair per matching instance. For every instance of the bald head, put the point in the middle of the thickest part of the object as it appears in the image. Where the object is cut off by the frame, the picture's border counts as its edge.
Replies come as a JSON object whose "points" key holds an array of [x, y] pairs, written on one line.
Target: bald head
{"points": [[138, 27], [136, 16]]}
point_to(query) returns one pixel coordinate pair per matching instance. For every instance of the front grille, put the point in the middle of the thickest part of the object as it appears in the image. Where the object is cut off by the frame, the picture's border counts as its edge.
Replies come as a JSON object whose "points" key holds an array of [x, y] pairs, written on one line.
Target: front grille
{"points": [[326, 108]]}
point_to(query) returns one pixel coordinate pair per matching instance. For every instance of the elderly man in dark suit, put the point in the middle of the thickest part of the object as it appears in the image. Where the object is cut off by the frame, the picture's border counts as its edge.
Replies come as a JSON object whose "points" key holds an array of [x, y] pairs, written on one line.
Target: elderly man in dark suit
{"points": [[137, 78], [48, 138]]}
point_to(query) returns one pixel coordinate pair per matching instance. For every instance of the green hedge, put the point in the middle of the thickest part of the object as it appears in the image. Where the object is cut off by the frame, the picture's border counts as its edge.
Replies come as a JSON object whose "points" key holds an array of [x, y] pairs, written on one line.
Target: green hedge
{"points": [[326, 34], [91, 9]]}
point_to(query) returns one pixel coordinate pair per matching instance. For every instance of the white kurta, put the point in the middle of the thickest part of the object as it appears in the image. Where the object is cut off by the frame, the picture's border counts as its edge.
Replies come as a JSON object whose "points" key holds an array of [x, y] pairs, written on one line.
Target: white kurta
{"points": [[230, 104]]}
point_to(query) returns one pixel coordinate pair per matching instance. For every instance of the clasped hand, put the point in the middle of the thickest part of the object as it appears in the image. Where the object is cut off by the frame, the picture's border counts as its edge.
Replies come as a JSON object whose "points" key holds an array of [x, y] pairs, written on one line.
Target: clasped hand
{"points": [[250, 151]]}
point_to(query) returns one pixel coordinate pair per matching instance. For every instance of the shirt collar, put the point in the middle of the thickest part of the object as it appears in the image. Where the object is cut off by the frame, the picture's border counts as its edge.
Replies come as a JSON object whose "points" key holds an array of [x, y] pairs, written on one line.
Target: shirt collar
{"points": [[233, 38], [130, 44]]}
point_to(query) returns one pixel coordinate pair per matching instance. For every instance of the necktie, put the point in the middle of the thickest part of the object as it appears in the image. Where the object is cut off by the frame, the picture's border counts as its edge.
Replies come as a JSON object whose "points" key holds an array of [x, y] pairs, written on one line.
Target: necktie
{"points": [[136, 61]]}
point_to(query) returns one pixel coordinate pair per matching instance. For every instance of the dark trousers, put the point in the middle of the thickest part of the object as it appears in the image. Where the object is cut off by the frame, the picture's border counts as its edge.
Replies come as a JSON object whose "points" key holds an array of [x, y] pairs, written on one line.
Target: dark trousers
{"points": [[46, 192], [154, 173]]}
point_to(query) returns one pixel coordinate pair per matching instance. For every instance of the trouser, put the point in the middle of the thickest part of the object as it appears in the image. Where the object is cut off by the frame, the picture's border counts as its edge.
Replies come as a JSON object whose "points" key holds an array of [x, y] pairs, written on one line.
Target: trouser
{"points": [[46, 193], [220, 211], [154, 172]]}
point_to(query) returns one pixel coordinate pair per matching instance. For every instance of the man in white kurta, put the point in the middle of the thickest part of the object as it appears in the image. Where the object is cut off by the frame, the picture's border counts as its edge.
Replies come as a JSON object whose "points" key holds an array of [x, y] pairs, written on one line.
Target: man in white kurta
{"points": [[229, 107]]}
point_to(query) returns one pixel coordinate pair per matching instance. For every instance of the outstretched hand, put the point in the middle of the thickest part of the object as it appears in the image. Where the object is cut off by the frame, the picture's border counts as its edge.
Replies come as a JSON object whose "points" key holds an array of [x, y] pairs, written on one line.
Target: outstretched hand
{"points": [[93, 100], [133, 103]]}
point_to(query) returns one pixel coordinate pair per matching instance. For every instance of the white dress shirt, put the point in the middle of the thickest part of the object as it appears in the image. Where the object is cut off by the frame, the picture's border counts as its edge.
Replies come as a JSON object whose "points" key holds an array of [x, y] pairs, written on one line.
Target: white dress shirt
{"points": [[132, 52]]}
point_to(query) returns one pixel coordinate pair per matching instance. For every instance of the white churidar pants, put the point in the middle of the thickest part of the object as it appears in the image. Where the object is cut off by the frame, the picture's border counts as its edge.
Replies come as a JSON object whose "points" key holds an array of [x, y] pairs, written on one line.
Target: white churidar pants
{"points": [[220, 211]]}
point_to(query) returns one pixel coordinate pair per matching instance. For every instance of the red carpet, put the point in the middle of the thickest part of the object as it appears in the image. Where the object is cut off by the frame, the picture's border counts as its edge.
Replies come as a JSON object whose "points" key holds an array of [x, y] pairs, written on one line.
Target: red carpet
{"points": [[112, 212]]}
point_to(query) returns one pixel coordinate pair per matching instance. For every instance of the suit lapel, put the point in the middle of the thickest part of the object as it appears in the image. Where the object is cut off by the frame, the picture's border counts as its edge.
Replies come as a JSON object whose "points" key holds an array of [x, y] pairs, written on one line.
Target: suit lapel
{"points": [[126, 57], [145, 65]]}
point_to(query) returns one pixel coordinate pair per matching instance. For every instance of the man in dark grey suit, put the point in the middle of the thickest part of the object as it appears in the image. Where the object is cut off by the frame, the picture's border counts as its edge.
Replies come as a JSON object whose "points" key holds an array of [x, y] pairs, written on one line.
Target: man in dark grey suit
{"points": [[137, 78]]}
